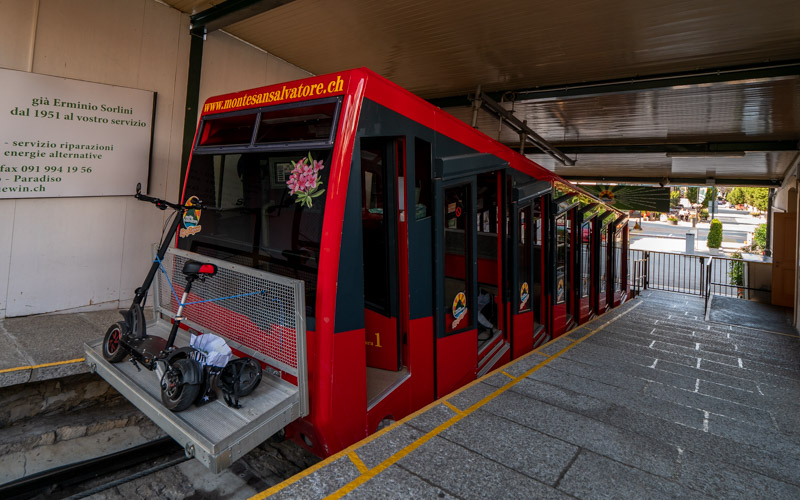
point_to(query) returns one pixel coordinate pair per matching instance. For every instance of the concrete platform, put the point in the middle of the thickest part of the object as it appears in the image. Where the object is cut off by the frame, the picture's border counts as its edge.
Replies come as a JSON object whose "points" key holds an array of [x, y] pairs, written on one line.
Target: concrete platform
{"points": [[751, 314], [647, 401], [48, 346]]}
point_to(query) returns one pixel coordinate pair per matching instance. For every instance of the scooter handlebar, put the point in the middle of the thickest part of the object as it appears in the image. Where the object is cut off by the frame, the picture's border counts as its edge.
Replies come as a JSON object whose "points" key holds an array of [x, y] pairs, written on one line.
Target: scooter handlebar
{"points": [[164, 204]]}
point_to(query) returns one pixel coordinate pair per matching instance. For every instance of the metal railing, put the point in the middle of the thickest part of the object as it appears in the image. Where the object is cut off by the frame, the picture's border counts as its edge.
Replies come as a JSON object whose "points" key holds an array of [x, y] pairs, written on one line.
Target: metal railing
{"points": [[693, 274], [707, 271], [671, 272], [638, 277]]}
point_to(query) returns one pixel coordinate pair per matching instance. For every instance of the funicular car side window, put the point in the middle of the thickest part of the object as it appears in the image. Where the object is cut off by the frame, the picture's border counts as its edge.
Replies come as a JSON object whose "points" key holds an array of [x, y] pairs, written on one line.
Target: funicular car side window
{"points": [[272, 206]]}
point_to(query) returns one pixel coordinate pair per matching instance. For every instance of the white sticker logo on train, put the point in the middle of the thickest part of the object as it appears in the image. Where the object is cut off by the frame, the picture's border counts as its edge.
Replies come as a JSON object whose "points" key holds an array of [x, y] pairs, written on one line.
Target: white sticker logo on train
{"points": [[459, 308], [191, 219], [523, 295]]}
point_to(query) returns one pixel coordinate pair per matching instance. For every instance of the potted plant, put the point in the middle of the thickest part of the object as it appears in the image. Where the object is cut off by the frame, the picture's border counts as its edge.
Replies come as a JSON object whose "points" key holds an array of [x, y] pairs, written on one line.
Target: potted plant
{"points": [[672, 220], [715, 236], [736, 273], [656, 216], [704, 214]]}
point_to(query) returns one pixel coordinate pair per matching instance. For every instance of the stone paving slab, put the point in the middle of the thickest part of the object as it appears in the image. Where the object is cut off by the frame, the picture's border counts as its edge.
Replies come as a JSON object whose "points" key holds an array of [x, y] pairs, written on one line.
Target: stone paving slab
{"points": [[589, 433], [699, 472], [574, 389], [555, 346], [471, 395], [466, 474], [398, 484], [711, 404], [321, 482], [647, 401], [535, 455], [386, 445], [432, 418], [729, 450], [595, 476]]}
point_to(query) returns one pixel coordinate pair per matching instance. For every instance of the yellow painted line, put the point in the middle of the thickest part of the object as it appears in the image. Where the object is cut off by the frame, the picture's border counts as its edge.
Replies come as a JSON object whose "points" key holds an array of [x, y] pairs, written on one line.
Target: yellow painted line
{"points": [[541, 353], [352, 485], [306, 472], [45, 365], [360, 465], [319, 465], [508, 375], [452, 407]]}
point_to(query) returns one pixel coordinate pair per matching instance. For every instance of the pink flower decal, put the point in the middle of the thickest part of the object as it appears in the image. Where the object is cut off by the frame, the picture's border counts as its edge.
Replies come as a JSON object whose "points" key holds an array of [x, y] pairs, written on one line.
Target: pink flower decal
{"points": [[304, 180]]}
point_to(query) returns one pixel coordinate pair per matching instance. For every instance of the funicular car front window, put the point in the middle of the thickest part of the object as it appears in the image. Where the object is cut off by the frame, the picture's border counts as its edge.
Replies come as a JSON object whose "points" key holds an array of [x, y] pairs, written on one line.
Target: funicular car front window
{"points": [[271, 211]]}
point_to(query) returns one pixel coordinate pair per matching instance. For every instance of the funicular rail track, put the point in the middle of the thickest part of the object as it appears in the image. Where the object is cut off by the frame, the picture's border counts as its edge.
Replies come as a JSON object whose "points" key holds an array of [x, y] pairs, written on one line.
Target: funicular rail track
{"points": [[62, 481]]}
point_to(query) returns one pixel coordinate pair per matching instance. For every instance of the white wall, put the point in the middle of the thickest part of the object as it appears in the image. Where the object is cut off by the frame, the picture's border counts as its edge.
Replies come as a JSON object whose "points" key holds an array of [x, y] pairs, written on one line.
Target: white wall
{"points": [[78, 253]]}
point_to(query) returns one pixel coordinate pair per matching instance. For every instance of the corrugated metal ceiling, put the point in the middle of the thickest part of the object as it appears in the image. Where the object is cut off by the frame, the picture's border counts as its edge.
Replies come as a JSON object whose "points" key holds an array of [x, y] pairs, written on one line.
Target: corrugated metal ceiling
{"points": [[448, 47]]}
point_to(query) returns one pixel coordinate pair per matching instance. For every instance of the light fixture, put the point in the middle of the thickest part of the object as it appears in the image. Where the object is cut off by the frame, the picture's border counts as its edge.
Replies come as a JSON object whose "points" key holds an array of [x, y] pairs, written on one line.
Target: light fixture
{"points": [[708, 154]]}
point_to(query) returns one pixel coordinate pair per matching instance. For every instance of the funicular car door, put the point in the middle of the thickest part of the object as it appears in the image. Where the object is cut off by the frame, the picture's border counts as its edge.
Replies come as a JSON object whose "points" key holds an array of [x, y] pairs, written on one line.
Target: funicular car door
{"points": [[618, 232], [385, 272], [526, 266], [602, 279], [563, 251], [469, 319], [585, 262]]}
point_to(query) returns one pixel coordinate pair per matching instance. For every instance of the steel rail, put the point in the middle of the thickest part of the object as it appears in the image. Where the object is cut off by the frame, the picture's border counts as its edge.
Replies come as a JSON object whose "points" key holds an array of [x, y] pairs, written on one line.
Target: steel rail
{"points": [[69, 475]]}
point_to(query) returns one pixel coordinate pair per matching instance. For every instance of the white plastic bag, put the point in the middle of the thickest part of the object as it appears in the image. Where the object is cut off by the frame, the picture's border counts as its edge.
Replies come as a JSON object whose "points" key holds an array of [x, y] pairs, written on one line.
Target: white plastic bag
{"points": [[214, 349]]}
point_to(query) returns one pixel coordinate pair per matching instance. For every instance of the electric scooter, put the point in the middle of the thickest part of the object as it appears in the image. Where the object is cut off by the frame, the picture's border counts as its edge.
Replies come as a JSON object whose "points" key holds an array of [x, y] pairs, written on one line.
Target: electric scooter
{"points": [[182, 377]]}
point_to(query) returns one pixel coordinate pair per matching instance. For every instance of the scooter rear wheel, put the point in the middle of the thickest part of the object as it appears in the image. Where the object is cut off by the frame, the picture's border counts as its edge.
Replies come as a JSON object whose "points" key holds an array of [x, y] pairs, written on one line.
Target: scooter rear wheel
{"points": [[113, 349], [176, 393]]}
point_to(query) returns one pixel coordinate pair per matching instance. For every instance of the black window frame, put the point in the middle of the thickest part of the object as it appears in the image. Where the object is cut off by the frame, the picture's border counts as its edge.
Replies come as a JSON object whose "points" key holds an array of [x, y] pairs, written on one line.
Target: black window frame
{"points": [[271, 146]]}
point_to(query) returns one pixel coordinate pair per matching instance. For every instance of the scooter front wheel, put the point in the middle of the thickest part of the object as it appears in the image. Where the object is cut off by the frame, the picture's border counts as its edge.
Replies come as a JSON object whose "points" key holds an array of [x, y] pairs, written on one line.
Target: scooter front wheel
{"points": [[113, 349], [176, 393]]}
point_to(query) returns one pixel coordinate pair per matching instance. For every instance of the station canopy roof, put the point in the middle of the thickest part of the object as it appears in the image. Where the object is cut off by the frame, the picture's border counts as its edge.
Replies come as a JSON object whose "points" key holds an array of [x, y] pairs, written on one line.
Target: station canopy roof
{"points": [[676, 92]]}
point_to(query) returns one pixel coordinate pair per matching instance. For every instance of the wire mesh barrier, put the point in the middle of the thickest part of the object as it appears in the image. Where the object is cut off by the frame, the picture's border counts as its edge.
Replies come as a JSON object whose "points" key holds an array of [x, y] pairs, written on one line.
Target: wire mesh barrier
{"points": [[259, 313]]}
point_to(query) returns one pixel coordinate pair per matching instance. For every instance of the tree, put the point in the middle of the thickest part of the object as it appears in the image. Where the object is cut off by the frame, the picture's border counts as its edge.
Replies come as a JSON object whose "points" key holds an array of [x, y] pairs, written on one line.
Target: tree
{"points": [[715, 234], [757, 197], [674, 197], [711, 194], [736, 196], [691, 194]]}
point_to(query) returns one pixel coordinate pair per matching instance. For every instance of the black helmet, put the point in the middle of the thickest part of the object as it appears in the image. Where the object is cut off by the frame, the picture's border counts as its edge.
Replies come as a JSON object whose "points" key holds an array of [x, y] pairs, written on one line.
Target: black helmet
{"points": [[240, 377]]}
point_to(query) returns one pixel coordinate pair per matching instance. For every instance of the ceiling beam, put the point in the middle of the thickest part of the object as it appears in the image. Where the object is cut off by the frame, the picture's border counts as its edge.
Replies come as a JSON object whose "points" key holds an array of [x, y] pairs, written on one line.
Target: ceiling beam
{"points": [[673, 181], [705, 148], [230, 12], [634, 84], [520, 126]]}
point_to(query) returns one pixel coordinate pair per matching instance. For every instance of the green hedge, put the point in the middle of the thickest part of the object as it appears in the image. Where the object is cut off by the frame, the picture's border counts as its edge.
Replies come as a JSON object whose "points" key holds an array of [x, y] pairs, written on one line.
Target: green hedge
{"points": [[715, 234]]}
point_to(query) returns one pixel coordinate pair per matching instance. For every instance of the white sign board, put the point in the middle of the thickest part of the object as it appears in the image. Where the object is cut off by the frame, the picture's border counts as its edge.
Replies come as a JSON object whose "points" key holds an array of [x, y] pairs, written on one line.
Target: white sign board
{"points": [[62, 137]]}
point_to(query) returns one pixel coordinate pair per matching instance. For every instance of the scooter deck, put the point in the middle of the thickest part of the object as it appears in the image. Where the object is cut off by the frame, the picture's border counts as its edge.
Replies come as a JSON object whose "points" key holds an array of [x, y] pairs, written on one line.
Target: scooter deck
{"points": [[215, 434]]}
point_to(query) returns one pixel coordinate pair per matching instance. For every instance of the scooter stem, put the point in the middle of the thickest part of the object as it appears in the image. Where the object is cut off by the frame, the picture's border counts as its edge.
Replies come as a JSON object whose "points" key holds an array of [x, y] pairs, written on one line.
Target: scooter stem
{"points": [[178, 318], [162, 251]]}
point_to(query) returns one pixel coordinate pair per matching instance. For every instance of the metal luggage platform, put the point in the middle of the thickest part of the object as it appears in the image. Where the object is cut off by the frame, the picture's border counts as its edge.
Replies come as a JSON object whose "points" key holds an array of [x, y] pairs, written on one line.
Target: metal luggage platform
{"points": [[215, 433], [263, 321]]}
